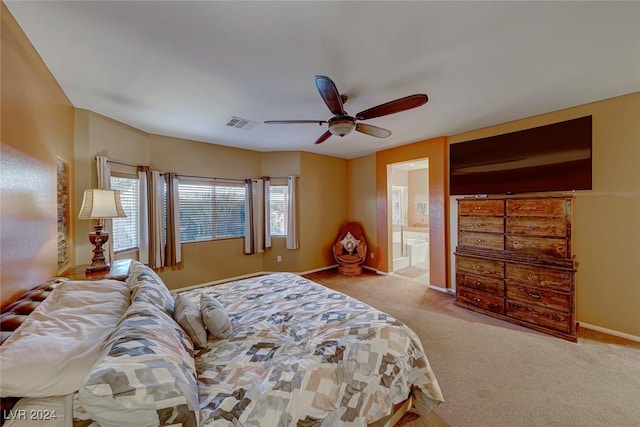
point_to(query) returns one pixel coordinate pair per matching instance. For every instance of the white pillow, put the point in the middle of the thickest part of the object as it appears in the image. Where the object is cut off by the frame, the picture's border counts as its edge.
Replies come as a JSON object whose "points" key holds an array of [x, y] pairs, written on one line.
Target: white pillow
{"points": [[56, 346], [349, 243], [187, 314], [215, 317], [145, 375]]}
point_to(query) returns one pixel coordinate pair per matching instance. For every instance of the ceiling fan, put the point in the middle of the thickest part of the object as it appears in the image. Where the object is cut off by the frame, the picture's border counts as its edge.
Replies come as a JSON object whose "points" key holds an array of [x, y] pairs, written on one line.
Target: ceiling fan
{"points": [[341, 123]]}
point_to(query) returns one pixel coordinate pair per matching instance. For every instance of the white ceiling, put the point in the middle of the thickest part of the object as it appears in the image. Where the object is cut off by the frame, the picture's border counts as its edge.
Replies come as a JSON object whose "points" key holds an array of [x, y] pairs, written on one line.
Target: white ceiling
{"points": [[184, 68]]}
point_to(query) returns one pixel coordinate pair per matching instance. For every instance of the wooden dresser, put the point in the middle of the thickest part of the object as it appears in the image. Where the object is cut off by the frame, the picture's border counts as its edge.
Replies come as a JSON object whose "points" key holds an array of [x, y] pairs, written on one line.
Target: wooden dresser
{"points": [[514, 261]]}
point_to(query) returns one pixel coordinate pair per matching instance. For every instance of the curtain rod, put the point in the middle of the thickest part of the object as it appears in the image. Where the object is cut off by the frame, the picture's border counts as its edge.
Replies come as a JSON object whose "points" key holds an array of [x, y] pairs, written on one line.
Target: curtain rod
{"points": [[223, 179], [207, 177], [199, 177], [123, 164]]}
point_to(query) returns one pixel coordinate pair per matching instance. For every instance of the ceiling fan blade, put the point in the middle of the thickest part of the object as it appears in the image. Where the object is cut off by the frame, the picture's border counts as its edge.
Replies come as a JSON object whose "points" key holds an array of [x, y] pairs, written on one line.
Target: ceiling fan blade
{"points": [[323, 137], [287, 122], [330, 95], [392, 107], [372, 130]]}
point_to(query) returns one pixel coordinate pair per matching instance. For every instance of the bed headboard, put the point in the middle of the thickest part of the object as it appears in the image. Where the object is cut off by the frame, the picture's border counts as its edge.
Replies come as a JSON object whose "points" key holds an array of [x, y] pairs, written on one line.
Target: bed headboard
{"points": [[15, 313]]}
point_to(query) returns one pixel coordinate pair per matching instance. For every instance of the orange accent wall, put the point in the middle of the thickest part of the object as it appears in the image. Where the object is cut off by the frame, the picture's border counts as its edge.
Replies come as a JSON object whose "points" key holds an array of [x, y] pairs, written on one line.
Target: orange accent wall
{"points": [[436, 150], [37, 126]]}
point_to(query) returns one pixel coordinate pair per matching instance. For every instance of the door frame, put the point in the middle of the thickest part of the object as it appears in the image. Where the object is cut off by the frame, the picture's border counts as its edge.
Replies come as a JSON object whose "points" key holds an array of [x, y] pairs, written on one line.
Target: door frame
{"points": [[436, 150]]}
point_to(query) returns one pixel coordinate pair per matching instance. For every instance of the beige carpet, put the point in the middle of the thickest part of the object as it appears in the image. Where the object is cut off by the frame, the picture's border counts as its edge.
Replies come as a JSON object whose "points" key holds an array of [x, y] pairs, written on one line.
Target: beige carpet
{"points": [[493, 373]]}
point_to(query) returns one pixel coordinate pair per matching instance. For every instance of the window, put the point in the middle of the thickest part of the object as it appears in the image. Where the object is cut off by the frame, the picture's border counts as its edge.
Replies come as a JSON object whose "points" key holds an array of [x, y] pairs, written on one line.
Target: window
{"points": [[125, 233], [211, 211], [279, 200]]}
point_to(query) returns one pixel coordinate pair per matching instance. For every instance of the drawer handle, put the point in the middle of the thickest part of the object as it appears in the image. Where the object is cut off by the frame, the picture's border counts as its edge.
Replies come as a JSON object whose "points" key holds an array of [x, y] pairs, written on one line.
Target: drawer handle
{"points": [[532, 295], [480, 240], [532, 276], [476, 266], [477, 299], [477, 208], [532, 314], [479, 224], [477, 282]]}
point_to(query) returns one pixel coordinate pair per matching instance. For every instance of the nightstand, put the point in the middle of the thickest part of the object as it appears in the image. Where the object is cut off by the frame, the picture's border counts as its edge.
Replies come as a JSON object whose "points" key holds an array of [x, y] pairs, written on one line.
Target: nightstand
{"points": [[119, 271]]}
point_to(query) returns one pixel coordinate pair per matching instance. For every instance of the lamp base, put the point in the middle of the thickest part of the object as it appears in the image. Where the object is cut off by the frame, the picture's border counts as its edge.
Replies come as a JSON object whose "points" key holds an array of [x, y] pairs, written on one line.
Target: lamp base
{"points": [[98, 262]]}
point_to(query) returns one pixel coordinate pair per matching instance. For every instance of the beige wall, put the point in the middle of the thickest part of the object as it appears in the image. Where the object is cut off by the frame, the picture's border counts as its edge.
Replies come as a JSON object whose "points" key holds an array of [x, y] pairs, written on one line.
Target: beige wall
{"points": [[361, 176], [418, 193], [606, 220], [216, 260], [323, 208], [36, 127], [99, 135]]}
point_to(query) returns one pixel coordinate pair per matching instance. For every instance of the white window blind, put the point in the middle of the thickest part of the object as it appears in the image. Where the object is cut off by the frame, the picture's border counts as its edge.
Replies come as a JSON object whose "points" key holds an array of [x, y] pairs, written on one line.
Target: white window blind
{"points": [[211, 211], [279, 199], [125, 233]]}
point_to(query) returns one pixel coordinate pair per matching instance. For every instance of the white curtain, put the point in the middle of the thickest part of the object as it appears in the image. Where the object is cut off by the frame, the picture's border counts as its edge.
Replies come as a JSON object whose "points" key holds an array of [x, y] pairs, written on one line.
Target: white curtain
{"points": [[157, 236], [104, 182], [292, 220], [254, 217], [267, 212], [143, 217]]}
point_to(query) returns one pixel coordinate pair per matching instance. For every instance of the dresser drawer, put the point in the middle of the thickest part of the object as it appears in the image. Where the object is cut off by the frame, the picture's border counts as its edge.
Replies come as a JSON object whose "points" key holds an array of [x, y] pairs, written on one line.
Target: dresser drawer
{"points": [[537, 207], [481, 240], [549, 227], [540, 316], [481, 207], [539, 296], [482, 267], [481, 300], [542, 277], [548, 246], [489, 224], [485, 284]]}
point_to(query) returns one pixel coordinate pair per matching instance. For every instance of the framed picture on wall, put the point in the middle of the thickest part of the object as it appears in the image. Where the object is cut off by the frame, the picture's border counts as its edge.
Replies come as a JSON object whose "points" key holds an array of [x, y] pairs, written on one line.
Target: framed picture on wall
{"points": [[64, 215]]}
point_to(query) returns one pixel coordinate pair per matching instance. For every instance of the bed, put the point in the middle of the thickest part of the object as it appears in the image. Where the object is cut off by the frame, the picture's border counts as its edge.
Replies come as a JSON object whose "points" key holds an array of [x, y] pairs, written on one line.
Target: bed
{"points": [[278, 350]]}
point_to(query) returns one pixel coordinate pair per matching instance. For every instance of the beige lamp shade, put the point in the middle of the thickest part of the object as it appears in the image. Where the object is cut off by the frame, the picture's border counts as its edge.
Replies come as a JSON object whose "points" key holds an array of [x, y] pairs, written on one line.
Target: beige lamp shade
{"points": [[101, 204]]}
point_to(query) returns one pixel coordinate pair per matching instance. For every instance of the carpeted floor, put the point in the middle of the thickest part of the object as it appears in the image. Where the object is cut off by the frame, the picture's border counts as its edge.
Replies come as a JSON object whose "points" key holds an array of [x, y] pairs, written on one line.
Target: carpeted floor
{"points": [[493, 373]]}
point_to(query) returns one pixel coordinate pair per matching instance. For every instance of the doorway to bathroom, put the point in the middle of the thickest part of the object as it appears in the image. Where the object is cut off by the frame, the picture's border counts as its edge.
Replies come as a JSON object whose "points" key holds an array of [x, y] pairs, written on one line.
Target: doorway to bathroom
{"points": [[409, 218]]}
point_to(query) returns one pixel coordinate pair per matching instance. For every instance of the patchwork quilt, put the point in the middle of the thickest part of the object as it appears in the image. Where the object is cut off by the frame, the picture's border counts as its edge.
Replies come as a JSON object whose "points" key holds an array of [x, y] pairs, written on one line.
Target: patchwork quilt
{"points": [[302, 354]]}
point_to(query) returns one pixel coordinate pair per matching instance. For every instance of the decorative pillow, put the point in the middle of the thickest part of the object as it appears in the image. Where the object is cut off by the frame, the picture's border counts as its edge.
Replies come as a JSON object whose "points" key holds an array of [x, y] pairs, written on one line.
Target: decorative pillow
{"points": [[146, 374], [187, 314], [56, 346], [146, 285], [215, 317], [349, 243]]}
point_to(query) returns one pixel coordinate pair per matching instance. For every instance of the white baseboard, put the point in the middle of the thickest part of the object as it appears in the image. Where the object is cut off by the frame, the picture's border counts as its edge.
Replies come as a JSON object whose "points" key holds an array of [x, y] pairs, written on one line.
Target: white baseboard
{"points": [[610, 332], [375, 270], [447, 291], [217, 282], [318, 269], [247, 276]]}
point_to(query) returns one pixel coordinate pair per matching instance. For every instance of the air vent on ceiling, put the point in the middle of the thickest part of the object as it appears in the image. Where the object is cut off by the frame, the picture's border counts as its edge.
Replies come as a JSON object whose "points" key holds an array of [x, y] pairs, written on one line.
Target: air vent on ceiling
{"points": [[240, 123]]}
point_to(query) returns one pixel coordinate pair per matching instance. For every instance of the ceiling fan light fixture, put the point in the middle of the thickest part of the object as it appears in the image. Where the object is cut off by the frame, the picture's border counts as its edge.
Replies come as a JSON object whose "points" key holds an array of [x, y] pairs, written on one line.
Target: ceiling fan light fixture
{"points": [[341, 127]]}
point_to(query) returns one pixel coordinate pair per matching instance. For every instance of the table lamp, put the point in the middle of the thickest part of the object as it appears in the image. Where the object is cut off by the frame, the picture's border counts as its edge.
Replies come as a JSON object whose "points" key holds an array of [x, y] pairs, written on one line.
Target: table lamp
{"points": [[100, 204]]}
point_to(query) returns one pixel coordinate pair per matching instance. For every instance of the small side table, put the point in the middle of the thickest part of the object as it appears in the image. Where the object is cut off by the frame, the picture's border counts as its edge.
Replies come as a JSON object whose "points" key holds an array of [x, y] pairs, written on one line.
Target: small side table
{"points": [[119, 271]]}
